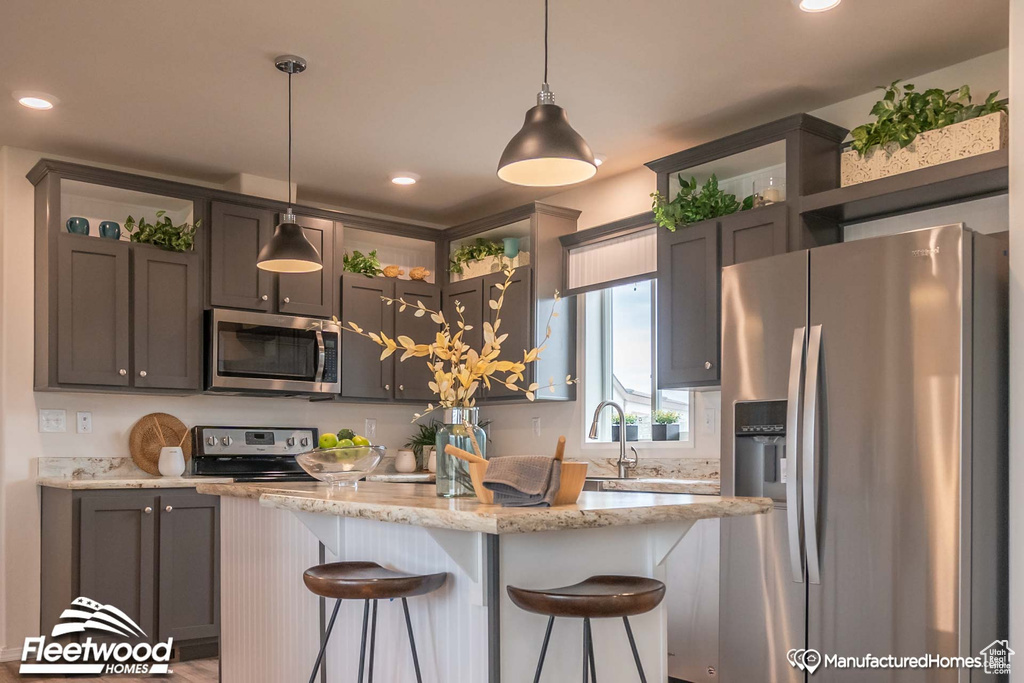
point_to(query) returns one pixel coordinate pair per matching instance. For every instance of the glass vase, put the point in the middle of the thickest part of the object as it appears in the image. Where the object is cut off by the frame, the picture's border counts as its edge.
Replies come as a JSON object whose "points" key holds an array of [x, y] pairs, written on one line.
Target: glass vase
{"points": [[452, 473]]}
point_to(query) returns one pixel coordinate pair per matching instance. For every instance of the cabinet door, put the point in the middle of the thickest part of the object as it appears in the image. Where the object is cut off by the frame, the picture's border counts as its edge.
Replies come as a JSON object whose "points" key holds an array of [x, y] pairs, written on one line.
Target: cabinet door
{"points": [[750, 235], [116, 553], [311, 293], [516, 322], [237, 233], [92, 311], [168, 319], [363, 374], [688, 306], [470, 294], [412, 376], [189, 585]]}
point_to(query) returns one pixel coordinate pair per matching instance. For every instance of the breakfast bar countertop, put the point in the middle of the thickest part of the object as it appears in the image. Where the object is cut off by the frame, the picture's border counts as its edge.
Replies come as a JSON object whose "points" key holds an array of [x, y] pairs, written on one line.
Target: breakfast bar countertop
{"points": [[418, 505]]}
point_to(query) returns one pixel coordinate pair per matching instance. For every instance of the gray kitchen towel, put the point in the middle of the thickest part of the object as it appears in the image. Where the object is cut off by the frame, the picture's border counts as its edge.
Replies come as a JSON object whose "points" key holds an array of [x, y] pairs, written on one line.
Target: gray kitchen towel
{"points": [[523, 480]]}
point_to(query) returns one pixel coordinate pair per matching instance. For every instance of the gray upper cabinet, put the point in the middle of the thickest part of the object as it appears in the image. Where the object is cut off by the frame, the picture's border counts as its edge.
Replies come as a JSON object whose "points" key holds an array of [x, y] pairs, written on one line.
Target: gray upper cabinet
{"points": [[750, 235], [516, 322], [167, 321], [237, 233], [311, 294], [412, 376], [469, 295], [189, 566], [688, 306], [363, 374], [92, 322]]}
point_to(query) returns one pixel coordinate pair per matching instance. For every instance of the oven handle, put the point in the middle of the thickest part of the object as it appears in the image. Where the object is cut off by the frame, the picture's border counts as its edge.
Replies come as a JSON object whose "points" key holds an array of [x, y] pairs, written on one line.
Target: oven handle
{"points": [[321, 357]]}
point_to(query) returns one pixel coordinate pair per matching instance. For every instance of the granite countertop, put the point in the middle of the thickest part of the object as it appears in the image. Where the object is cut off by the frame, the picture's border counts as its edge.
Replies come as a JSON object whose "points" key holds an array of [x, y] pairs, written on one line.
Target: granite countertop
{"points": [[664, 485], [142, 481], [418, 505]]}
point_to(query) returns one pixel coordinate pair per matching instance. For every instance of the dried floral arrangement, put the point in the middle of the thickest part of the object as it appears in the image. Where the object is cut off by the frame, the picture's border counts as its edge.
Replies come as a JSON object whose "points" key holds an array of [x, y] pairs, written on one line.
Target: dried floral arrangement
{"points": [[458, 369]]}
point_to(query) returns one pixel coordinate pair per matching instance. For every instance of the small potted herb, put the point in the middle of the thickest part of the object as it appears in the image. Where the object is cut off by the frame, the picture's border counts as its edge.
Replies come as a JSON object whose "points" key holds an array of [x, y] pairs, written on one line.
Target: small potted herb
{"points": [[666, 426], [632, 428], [357, 262], [695, 203], [163, 233]]}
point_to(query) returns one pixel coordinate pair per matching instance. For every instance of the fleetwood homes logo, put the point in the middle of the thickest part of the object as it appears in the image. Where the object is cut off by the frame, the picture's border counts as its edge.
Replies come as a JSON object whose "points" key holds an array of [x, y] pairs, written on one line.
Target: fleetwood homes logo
{"points": [[87, 657]]}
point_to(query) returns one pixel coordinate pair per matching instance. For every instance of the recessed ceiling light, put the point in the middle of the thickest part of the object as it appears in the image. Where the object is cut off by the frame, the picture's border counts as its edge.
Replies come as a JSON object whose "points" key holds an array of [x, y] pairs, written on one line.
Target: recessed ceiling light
{"points": [[35, 100], [404, 178], [599, 159], [816, 5]]}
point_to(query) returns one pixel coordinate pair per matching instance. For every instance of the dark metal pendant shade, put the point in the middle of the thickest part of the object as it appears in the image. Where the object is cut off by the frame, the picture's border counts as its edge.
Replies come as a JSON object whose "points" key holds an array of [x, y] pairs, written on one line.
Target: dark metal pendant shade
{"points": [[289, 251], [546, 152]]}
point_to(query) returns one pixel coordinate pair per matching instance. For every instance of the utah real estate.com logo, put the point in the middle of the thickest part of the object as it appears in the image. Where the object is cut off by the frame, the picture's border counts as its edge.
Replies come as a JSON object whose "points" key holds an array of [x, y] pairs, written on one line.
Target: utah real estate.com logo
{"points": [[92, 658]]}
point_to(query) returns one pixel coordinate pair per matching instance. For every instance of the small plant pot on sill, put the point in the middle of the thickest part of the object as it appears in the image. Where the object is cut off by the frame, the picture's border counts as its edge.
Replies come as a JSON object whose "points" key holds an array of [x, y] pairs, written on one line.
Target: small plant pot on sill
{"points": [[664, 432], [632, 432], [957, 141]]}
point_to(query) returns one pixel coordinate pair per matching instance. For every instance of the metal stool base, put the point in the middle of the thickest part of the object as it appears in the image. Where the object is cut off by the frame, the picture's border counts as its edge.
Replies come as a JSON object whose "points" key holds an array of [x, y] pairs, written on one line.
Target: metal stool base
{"points": [[589, 661]]}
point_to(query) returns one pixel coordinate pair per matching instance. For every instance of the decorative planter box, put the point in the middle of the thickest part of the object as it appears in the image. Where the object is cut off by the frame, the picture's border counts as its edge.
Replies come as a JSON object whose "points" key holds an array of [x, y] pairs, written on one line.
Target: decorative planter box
{"points": [[490, 264], [958, 141], [632, 432], [664, 432]]}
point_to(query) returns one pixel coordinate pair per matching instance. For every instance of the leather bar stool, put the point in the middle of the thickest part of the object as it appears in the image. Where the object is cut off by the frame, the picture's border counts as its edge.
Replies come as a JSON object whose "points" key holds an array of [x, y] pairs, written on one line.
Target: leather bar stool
{"points": [[369, 582], [599, 597]]}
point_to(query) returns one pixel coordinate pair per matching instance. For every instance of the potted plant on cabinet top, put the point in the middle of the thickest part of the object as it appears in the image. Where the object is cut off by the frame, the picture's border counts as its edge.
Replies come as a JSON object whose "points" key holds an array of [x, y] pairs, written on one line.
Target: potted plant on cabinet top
{"points": [[482, 257], [632, 428], [666, 426], [695, 203], [914, 130], [163, 233]]}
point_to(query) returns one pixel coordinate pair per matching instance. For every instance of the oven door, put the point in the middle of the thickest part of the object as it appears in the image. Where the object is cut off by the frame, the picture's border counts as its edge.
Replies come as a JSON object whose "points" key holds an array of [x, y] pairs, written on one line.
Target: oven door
{"points": [[279, 353]]}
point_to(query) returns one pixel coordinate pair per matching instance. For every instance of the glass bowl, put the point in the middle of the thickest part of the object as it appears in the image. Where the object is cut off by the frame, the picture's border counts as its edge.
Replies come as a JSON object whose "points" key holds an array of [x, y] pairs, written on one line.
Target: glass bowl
{"points": [[341, 466]]}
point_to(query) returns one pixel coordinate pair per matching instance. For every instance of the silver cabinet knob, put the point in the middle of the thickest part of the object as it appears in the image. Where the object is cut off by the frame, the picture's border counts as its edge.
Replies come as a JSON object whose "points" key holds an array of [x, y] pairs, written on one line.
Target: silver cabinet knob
{"points": [[264, 297], [291, 441], [387, 387], [211, 441], [226, 440], [122, 372], [707, 365], [168, 508], [142, 373], [148, 510], [401, 387], [287, 300]]}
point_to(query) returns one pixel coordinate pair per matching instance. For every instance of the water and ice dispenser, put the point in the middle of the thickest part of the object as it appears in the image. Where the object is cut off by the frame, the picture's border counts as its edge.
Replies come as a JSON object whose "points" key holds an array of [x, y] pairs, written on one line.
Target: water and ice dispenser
{"points": [[761, 449]]}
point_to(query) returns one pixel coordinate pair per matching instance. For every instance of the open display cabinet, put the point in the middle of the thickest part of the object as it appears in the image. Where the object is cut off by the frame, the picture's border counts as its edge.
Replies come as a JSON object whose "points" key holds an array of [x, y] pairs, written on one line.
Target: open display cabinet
{"points": [[407, 253]]}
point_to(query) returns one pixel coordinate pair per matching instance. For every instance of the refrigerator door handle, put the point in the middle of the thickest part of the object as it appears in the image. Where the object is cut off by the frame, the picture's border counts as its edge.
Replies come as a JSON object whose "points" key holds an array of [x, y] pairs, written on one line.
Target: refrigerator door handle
{"points": [[796, 365], [810, 451]]}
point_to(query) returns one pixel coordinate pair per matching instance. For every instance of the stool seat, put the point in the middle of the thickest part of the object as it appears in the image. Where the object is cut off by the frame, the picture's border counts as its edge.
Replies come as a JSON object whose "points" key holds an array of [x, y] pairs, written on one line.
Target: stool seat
{"points": [[368, 581], [596, 597]]}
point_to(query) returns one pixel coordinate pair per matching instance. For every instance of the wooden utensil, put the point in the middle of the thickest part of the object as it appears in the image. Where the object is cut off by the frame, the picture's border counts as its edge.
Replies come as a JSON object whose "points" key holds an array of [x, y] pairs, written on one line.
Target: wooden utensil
{"points": [[151, 433], [456, 452], [477, 470], [574, 476], [560, 448]]}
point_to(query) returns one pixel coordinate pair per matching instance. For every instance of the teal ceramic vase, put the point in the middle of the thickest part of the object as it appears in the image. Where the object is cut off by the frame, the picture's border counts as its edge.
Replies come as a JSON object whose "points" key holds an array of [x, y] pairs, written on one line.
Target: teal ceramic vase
{"points": [[77, 225], [511, 247], [110, 230]]}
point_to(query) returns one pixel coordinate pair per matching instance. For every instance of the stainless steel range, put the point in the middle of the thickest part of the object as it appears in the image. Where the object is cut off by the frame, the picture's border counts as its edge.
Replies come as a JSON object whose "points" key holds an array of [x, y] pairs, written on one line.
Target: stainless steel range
{"points": [[251, 453]]}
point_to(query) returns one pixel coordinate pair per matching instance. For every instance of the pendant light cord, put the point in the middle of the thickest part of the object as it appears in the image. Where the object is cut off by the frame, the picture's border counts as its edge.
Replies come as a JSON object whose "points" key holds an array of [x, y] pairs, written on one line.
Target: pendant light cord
{"points": [[545, 41], [290, 141]]}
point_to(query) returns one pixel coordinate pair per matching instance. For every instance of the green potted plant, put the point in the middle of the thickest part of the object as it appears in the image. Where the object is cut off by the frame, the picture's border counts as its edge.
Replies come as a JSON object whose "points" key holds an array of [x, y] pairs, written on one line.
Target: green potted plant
{"points": [[479, 257], [632, 428], [666, 426], [163, 233], [357, 262], [915, 129], [695, 203]]}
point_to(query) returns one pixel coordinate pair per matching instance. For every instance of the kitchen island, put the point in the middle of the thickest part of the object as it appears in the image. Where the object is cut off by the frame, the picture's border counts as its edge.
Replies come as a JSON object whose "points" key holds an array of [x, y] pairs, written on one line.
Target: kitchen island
{"points": [[468, 632]]}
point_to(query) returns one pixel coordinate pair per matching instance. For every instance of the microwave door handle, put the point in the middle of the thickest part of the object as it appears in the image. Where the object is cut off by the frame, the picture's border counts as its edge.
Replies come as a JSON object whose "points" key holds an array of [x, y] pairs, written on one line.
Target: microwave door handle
{"points": [[321, 357], [796, 364], [810, 450]]}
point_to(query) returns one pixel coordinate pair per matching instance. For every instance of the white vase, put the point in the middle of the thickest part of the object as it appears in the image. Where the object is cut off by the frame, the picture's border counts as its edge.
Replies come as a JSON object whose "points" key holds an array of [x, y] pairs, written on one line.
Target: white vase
{"points": [[405, 462], [432, 460], [172, 461]]}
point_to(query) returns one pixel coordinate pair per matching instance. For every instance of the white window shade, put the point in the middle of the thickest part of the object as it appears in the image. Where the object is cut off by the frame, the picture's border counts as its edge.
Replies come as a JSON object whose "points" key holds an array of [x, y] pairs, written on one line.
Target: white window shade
{"points": [[612, 261]]}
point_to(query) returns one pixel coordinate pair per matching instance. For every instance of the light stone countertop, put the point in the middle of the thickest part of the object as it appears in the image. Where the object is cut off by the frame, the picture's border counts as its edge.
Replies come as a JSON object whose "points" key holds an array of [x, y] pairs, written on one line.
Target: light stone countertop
{"points": [[658, 485], [418, 505], [136, 482]]}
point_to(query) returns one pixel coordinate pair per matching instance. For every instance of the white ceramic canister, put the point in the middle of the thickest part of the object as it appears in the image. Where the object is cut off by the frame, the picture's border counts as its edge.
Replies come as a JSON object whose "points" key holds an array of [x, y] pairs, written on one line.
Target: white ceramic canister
{"points": [[172, 461], [405, 461]]}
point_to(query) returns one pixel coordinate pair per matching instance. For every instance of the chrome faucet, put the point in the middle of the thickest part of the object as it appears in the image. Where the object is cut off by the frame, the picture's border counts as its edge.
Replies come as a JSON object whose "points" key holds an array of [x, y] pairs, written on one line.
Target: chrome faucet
{"points": [[625, 464]]}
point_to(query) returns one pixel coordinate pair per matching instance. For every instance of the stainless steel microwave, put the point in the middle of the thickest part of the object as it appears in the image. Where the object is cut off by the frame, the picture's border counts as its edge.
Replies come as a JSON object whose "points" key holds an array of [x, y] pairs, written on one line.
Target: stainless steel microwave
{"points": [[255, 352]]}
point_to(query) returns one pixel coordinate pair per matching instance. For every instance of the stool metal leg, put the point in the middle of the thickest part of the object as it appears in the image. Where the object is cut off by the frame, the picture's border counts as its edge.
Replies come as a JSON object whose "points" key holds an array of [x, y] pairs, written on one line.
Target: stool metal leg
{"points": [[323, 645], [586, 650], [544, 650], [373, 640], [636, 655], [590, 650], [412, 641], [362, 641]]}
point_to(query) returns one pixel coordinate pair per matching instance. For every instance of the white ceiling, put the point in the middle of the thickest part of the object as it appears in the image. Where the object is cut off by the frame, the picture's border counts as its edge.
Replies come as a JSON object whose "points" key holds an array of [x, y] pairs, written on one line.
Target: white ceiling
{"points": [[188, 87]]}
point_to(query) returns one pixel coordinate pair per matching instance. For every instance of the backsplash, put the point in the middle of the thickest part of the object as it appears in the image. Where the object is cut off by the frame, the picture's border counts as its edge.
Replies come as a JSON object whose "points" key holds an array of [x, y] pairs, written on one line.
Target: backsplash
{"points": [[661, 468]]}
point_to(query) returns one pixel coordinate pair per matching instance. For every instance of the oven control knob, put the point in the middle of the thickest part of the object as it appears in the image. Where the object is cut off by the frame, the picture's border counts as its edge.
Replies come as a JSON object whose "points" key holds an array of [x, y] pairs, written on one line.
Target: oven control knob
{"points": [[211, 441], [304, 441], [226, 440], [291, 440]]}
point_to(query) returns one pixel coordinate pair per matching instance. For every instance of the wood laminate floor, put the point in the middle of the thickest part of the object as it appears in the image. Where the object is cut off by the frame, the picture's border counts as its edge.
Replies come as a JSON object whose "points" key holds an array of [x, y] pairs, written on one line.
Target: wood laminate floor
{"points": [[195, 671]]}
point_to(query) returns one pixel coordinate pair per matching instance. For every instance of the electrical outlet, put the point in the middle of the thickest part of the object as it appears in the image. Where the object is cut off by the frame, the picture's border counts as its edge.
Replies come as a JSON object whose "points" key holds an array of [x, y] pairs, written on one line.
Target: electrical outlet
{"points": [[84, 422], [708, 426], [370, 428], [536, 426], [53, 421]]}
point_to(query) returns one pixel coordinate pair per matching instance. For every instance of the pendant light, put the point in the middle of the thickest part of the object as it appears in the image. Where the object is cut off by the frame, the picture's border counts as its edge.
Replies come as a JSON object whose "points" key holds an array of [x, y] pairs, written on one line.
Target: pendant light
{"points": [[546, 152], [288, 250]]}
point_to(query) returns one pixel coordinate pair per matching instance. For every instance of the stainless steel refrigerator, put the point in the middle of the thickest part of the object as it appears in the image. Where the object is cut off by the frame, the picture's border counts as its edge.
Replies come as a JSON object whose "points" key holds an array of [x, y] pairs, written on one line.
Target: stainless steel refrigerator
{"points": [[864, 389]]}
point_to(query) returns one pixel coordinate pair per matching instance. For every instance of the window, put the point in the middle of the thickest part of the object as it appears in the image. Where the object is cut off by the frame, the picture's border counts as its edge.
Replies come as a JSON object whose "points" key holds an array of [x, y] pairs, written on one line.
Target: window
{"points": [[619, 365]]}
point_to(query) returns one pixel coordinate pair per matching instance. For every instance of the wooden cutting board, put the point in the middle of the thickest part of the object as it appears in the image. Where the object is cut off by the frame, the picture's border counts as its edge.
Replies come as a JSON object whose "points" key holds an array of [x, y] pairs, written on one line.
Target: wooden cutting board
{"points": [[150, 434]]}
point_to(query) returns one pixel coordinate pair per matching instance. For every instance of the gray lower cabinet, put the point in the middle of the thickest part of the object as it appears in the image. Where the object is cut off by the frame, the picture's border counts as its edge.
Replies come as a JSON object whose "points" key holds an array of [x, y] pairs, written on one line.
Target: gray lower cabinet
{"points": [[516, 322], [311, 294], [152, 553], [237, 233], [688, 306], [750, 235]]}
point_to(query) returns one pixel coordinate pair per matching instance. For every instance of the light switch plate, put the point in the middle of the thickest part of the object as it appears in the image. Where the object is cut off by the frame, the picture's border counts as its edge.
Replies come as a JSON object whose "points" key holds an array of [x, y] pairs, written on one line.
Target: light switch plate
{"points": [[708, 424], [536, 426], [53, 421], [370, 428], [84, 422]]}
